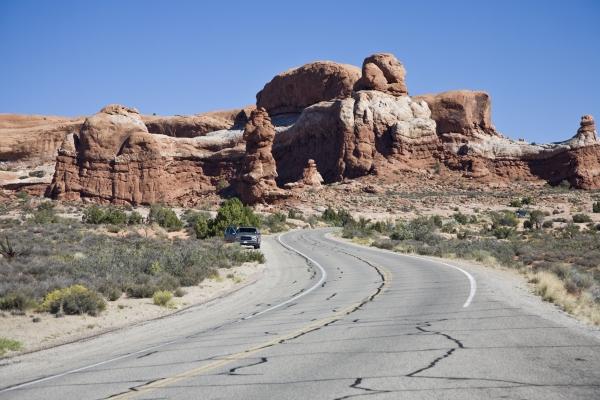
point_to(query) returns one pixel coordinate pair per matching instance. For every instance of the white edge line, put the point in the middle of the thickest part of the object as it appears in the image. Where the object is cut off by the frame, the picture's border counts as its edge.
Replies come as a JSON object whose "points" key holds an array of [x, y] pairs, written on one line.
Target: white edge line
{"points": [[74, 371], [472, 282], [304, 293]]}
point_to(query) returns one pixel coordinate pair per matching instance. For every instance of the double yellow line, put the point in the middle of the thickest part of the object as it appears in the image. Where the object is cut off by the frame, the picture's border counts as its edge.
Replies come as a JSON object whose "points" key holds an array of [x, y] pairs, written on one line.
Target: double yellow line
{"points": [[144, 389]]}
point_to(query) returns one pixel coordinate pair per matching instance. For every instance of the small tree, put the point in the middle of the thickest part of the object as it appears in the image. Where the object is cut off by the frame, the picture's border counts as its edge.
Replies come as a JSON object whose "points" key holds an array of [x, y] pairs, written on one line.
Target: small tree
{"points": [[232, 212]]}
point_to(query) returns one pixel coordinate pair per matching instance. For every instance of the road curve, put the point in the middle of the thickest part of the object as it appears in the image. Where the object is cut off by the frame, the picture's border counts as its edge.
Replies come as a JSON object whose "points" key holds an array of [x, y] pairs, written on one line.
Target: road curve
{"points": [[328, 321]]}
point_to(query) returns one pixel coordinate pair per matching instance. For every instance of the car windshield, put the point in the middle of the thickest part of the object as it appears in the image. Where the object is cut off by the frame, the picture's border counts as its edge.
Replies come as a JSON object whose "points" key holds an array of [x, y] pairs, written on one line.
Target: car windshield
{"points": [[247, 230]]}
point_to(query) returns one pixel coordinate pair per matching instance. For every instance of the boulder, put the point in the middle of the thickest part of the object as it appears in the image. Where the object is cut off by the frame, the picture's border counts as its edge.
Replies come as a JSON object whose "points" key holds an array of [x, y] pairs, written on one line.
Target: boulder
{"points": [[383, 72], [294, 90]]}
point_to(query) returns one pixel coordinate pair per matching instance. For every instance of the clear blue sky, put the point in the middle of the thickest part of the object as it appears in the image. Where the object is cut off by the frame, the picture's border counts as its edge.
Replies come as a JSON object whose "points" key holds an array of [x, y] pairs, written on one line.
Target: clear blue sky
{"points": [[539, 60]]}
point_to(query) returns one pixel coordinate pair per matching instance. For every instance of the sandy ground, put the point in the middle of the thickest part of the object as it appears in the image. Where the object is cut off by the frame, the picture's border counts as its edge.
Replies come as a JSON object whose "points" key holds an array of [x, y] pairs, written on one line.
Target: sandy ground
{"points": [[51, 331]]}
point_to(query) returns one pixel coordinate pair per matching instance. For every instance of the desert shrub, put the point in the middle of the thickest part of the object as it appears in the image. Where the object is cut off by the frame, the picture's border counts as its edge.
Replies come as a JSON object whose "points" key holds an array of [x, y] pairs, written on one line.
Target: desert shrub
{"points": [[141, 290], [295, 214], [76, 299], [17, 301], [504, 218], [93, 215], [232, 212], [9, 345], [547, 224], [516, 203], [8, 250], [384, 244], [135, 218], [37, 174], [581, 218], [44, 214], [596, 207], [340, 217], [449, 227], [461, 218], [162, 298], [503, 232], [179, 292], [110, 215], [275, 222], [164, 217], [111, 290], [201, 229], [536, 219], [437, 221]]}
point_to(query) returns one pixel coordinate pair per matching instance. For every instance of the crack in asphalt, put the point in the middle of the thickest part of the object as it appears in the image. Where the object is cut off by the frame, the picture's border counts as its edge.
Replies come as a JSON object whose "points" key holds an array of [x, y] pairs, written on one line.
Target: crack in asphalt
{"points": [[356, 385], [233, 371], [448, 353]]}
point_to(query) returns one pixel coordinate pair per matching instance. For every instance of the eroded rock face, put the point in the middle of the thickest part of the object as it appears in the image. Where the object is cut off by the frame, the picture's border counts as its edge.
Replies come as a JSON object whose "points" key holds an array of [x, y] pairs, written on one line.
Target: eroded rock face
{"points": [[33, 139], [383, 72], [114, 159], [258, 172], [198, 125], [461, 111], [298, 88], [348, 138]]}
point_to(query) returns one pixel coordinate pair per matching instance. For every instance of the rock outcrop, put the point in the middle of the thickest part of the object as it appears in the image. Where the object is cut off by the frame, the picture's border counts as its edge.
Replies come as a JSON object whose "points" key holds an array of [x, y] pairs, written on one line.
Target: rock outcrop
{"points": [[114, 159], [294, 90], [198, 125], [383, 72], [33, 139], [461, 111], [349, 125], [256, 183], [348, 138], [311, 176]]}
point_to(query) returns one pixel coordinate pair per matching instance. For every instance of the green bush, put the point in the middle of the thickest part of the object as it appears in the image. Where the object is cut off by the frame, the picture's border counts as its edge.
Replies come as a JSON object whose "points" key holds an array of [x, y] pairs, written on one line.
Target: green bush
{"points": [[162, 298], [110, 215], [340, 217], [461, 218], [581, 218], [536, 219], [164, 217], [516, 203], [503, 232], [596, 207], [201, 229], [135, 218], [504, 218], [232, 213], [141, 290], [9, 345], [548, 224], [75, 299], [17, 301]]}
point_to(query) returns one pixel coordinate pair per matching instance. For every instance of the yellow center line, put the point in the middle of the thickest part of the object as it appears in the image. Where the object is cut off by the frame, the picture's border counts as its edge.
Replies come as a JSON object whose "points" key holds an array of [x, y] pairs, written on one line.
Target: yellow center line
{"points": [[248, 352]]}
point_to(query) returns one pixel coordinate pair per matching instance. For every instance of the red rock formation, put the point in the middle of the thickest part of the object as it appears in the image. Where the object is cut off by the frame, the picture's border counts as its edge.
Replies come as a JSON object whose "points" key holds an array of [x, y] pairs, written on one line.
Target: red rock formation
{"points": [[33, 139], [256, 183], [383, 72], [298, 88], [114, 159], [198, 125], [311, 175], [461, 111]]}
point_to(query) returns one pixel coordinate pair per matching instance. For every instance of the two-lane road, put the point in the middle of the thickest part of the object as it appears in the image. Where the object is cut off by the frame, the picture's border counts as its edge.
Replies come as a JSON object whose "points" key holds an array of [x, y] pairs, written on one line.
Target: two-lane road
{"points": [[345, 322]]}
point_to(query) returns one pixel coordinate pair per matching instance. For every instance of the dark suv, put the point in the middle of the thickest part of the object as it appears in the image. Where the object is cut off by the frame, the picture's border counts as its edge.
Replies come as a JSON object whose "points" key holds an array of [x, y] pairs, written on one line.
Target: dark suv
{"points": [[249, 236], [230, 234]]}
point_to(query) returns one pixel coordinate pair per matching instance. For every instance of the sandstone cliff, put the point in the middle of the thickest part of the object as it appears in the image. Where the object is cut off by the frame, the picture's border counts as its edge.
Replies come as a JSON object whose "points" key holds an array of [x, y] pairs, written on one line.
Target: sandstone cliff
{"points": [[345, 123]]}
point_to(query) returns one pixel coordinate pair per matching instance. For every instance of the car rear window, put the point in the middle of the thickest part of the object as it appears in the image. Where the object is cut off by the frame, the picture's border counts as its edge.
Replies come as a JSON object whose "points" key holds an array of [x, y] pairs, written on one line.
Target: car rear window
{"points": [[247, 230]]}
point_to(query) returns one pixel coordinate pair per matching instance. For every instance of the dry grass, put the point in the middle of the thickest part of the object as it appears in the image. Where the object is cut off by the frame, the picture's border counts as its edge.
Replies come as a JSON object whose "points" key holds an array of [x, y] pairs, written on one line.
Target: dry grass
{"points": [[552, 289]]}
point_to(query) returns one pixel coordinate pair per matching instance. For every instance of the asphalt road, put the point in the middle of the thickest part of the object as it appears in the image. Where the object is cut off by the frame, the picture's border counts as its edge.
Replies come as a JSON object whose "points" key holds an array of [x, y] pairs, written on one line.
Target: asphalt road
{"points": [[351, 322]]}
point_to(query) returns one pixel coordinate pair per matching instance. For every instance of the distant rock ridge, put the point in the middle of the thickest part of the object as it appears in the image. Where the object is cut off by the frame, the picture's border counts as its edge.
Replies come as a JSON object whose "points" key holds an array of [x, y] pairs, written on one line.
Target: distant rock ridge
{"points": [[332, 122]]}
